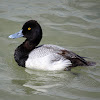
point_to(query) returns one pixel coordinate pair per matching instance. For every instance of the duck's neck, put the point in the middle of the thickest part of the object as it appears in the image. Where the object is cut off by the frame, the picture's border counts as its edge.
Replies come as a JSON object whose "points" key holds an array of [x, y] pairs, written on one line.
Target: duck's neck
{"points": [[29, 45], [22, 51]]}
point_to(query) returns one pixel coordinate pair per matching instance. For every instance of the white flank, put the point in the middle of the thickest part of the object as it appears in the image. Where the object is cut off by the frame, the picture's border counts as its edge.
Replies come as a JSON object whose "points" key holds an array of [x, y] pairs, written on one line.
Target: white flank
{"points": [[46, 57]]}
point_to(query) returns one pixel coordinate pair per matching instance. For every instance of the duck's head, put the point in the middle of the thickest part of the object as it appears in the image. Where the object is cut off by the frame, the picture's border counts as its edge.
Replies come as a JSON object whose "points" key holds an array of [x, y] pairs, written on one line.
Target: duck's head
{"points": [[30, 30]]}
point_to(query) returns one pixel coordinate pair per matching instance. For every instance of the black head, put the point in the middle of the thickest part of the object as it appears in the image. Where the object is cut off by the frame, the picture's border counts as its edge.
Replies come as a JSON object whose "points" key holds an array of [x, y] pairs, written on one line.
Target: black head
{"points": [[32, 30]]}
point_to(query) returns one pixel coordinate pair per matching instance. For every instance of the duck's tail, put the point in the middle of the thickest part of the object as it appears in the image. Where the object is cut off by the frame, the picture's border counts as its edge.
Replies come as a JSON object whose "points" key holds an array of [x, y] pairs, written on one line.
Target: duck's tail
{"points": [[91, 63]]}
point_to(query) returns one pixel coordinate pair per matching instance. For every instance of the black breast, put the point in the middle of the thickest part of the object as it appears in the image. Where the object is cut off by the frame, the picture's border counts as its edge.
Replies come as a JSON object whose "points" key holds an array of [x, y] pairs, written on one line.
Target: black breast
{"points": [[21, 55]]}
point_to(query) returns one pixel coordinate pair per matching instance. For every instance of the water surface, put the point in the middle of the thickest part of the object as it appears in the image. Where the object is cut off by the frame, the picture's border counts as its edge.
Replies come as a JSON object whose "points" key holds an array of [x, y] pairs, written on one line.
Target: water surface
{"points": [[73, 24]]}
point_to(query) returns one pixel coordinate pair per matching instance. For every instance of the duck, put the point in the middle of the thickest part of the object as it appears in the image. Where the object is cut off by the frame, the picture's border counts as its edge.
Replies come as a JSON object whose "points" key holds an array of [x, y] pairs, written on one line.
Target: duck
{"points": [[44, 57]]}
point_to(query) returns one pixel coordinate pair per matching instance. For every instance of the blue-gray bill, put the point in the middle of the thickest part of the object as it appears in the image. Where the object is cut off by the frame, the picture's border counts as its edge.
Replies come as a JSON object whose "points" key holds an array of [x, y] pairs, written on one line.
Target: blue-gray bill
{"points": [[16, 35]]}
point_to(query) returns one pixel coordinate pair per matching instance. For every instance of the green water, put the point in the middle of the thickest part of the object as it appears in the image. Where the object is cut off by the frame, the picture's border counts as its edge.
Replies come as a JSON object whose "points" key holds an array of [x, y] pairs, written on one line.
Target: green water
{"points": [[73, 24]]}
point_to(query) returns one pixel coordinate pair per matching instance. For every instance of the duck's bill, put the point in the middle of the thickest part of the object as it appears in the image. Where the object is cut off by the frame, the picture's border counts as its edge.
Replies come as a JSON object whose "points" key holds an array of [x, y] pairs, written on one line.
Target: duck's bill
{"points": [[16, 35]]}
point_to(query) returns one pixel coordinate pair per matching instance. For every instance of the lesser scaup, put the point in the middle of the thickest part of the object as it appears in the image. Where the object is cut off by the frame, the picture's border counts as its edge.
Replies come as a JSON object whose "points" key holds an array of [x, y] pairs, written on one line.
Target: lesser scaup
{"points": [[44, 57]]}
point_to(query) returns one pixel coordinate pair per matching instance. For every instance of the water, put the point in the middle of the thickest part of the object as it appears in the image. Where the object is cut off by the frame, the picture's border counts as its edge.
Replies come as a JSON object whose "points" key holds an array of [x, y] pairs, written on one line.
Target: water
{"points": [[73, 24]]}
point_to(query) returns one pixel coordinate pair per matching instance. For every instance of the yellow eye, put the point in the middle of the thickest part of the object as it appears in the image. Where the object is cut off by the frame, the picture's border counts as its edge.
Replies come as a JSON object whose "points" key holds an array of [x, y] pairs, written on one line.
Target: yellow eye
{"points": [[29, 28]]}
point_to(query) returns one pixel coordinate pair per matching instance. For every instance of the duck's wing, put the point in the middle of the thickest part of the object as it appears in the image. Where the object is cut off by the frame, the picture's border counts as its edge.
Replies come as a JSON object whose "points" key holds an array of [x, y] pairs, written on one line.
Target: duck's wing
{"points": [[75, 59]]}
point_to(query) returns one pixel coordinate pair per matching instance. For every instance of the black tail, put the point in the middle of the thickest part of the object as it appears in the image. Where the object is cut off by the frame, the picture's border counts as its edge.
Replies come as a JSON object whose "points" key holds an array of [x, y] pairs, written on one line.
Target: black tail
{"points": [[91, 63], [81, 62]]}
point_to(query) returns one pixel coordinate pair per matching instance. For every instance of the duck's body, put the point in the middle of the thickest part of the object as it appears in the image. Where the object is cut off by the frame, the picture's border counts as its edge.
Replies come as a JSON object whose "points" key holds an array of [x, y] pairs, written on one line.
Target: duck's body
{"points": [[44, 57], [47, 57]]}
